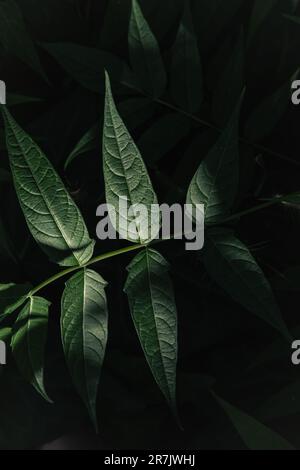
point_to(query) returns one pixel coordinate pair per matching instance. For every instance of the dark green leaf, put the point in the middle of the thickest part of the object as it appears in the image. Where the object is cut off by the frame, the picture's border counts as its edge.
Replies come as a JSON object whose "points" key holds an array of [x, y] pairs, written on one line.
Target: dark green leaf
{"points": [[12, 296], [52, 217], [145, 57], [153, 309], [84, 333], [186, 72], [29, 340], [126, 177], [86, 65], [260, 12], [5, 334], [255, 435], [15, 38], [267, 115], [215, 183], [163, 136], [230, 85], [231, 265]]}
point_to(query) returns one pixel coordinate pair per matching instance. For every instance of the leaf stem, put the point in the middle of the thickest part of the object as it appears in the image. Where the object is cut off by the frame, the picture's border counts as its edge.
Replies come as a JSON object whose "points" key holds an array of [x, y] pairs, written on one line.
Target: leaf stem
{"points": [[136, 247]]}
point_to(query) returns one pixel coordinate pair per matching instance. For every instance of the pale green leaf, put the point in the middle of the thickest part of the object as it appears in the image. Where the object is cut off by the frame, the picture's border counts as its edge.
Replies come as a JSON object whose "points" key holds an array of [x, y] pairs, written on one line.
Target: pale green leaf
{"points": [[15, 38], [186, 79], [255, 435], [126, 177], [51, 215], [215, 183], [231, 265], [84, 323], [153, 309], [145, 56], [29, 341]]}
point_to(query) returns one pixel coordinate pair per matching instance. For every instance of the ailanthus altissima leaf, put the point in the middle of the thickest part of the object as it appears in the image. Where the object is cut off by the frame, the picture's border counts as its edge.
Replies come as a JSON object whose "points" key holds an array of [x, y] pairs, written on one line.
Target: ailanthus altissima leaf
{"points": [[29, 340], [84, 333], [153, 309], [216, 181], [186, 72], [256, 436], [145, 56], [53, 218], [231, 265], [126, 178]]}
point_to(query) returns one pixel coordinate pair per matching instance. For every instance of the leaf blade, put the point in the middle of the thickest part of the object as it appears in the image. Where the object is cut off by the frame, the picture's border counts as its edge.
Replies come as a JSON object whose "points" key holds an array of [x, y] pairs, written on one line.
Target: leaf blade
{"points": [[84, 333]]}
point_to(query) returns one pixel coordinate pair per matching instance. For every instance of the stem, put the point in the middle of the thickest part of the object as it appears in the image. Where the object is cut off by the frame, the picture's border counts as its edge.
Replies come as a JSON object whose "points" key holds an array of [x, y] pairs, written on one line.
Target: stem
{"points": [[136, 247]]}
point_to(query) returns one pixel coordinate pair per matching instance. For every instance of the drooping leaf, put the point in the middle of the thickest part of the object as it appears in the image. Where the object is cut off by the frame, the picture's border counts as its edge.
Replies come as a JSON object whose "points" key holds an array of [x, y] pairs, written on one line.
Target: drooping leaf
{"points": [[133, 110], [260, 12], [256, 436], [186, 72], [5, 334], [153, 309], [86, 65], [215, 183], [163, 136], [84, 333], [15, 38], [145, 56], [267, 115], [29, 340], [12, 296], [231, 265], [230, 85], [126, 178], [51, 215]]}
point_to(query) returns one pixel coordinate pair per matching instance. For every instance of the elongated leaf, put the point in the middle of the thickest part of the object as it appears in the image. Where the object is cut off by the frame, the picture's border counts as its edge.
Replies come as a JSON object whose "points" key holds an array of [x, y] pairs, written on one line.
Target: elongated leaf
{"points": [[126, 177], [163, 136], [255, 435], [153, 310], [215, 183], [86, 65], [29, 340], [134, 110], [267, 115], [12, 296], [145, 57], [5, 334], [260, 12], [15, 38], [230, 85], [231, 265], [84, 333], [52, 217], [186, 72]]}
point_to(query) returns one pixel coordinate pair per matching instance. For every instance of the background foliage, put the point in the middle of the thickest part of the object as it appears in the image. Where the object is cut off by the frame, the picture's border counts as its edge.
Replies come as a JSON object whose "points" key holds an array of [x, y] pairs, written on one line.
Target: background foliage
{"points": [[236, 386]]}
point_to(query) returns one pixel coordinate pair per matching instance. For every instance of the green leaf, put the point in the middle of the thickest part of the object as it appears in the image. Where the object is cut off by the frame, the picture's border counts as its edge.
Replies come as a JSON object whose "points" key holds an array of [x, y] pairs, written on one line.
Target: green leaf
{"points": [[270, 111], [186, 72], [134, 110], [153, 309], [215, 183], [51, 215], [144, 52], [12, 296], [5, 334], [84, 333], [126, 177], [260, 12], [231, 265], [163, 136], [15, 38], [86, 65], [255, 435], [230, 84], [29, 341]]}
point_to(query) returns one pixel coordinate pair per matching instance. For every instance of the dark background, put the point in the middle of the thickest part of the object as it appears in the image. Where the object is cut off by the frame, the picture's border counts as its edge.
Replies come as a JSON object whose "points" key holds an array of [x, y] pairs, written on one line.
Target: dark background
{"points": [[221, 345]]}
